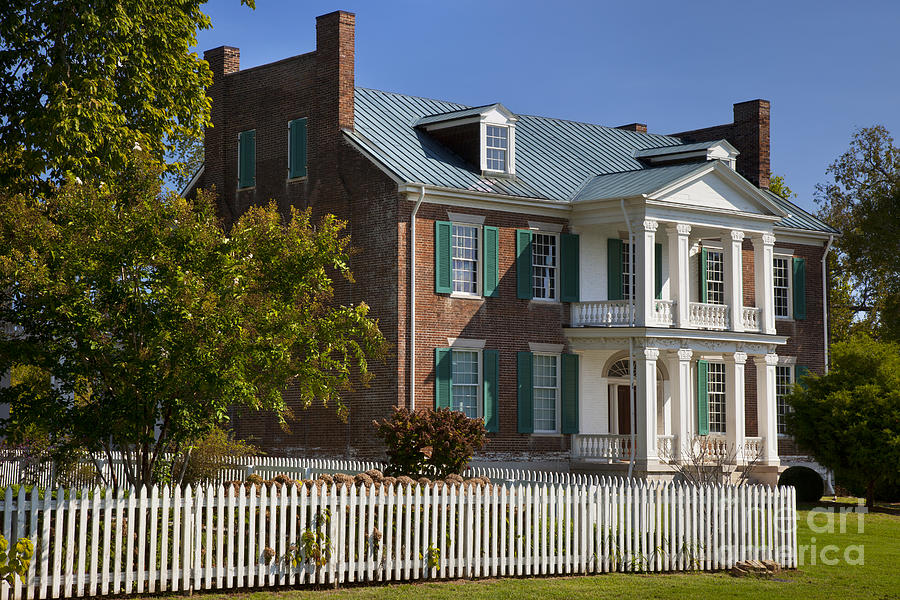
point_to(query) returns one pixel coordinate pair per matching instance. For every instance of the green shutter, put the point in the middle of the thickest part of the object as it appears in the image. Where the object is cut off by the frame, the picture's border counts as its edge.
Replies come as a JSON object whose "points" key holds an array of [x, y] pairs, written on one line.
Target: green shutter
{"points": [[702, 270], [491, 261], [443, 372], [443, 271], [491, 374], [658, 271], [799, 283], [569, 393], [702, 397], [247, 159], [525, 362], [569, 277], [614, 269], [524, 288], [800, 371], [297, 149]]}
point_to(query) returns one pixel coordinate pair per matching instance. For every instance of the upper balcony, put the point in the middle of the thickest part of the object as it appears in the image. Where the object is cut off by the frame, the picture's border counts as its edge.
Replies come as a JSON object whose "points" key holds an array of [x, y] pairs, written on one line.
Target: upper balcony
{"points": [[621, 313]]}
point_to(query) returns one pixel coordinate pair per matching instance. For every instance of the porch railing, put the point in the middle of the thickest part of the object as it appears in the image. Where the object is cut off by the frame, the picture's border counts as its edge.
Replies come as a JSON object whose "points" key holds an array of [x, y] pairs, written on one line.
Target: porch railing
{"points": [[602, 313], [709, 316], [751, 318], [663, 312], [614, 446]]}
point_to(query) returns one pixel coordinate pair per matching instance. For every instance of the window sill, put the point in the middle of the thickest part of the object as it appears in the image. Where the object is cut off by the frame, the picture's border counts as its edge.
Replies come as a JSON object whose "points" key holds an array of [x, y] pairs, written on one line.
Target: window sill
{"points": [[246, 189], [297, 179], [548, 434], [545, 300], [464, 296]]}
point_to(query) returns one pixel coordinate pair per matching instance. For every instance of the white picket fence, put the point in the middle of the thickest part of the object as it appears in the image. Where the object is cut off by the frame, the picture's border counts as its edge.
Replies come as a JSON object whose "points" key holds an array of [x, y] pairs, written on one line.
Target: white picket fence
{"points": [[12, 470], [101, 542]]}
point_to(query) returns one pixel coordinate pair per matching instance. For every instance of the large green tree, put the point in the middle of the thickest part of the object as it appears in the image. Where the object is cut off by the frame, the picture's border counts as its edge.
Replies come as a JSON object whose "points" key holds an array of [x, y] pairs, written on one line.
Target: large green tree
{"points": [[82, 82], [863, 202], [849, 419], [152, 321]]}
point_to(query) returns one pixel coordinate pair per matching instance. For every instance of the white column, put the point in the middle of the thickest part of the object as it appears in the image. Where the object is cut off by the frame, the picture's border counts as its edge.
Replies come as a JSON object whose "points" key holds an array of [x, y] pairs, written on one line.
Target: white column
{"points": [[763, 250], [735, 421], [682, 398], [766, 409], [646, 404], [679, 271], [645, 282], [734, 278]]}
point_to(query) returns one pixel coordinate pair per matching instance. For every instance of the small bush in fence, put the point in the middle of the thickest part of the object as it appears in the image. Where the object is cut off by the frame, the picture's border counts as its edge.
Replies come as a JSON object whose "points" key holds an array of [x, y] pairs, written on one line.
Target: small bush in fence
{"points": [[15, 561], [430, 442], [208, 457]]}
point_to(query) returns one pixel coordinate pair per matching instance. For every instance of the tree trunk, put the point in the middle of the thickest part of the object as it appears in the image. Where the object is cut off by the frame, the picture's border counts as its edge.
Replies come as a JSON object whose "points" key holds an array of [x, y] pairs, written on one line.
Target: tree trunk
{"points": [[870, 494]]}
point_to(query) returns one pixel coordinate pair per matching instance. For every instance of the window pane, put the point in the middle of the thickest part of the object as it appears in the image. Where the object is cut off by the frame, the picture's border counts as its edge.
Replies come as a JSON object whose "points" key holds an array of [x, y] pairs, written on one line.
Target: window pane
{"points": [[716, 397], [627, 262], [784, 379], [544, 263], [495, 148], [781, 268], [546, 391], [715, 278], [465, 259], [464, 383]]}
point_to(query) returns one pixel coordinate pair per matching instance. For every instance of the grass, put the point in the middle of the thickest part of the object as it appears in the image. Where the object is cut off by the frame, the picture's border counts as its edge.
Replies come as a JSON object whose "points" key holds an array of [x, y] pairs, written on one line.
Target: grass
{"points": [[878, 578]]}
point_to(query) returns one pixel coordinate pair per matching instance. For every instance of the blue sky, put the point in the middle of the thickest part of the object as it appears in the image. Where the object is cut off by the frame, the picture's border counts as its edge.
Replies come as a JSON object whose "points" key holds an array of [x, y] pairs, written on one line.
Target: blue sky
{"points": [[828, 67]]}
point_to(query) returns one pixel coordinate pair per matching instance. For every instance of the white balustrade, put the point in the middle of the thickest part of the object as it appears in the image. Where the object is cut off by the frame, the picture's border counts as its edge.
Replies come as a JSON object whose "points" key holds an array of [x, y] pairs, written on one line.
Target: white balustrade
{"points": [[753, 449], [603, 313], [665, 448], [709, 316], [663, 312], [751, 318], [603, 446]]}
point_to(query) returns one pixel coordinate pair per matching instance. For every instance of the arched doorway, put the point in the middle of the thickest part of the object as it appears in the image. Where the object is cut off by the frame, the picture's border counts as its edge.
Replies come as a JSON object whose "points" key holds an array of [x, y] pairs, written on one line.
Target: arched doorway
{"points": [[618, 376]]}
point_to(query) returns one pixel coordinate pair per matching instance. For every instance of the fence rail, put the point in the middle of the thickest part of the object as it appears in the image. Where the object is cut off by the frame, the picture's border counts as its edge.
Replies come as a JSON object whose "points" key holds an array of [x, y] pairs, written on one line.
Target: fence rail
{"points": [[102, 542]]}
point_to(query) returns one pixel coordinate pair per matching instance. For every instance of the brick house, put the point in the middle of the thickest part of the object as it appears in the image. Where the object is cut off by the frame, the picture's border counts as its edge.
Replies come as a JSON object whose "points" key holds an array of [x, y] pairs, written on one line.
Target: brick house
{"points": [[515, 263]]}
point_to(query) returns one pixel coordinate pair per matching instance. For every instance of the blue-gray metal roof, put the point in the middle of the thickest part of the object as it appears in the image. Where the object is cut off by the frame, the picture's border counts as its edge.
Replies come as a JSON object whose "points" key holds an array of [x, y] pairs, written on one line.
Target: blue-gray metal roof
{"points": [[799, 218], [555, 159], [676, 149], [455, 114], [635, 183]]}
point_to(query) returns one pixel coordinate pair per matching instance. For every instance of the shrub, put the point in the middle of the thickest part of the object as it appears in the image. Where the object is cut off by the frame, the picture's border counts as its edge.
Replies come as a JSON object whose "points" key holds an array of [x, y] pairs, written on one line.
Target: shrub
{"points": [[15, 561], [808, 483], [208, 456], [430, 442]]}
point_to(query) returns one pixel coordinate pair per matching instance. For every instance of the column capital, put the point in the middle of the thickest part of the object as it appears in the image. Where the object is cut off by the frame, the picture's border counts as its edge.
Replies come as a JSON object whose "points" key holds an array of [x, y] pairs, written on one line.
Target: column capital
{"points": [[771, 359], [739, 358], [679, 228], [766, 239], [651, 353], [650, 225], [738, 236], [685, 354]]}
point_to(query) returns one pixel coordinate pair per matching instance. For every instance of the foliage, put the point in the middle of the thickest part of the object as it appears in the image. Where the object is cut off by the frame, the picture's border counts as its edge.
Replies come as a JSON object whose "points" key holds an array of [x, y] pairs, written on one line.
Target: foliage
{"points": [[808, 483], [186, 154], [849, 419], [433, 442], [863, 202], [82, 82], [202, 461], [314, 547], [153, 322], [15, 561], [778, 187]]}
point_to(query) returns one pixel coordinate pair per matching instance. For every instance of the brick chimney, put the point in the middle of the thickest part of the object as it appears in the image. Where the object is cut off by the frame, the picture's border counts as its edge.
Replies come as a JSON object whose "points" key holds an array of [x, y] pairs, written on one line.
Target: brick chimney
{"points": [[335, 55], [639, 127], [223, 61], [749, 133]]}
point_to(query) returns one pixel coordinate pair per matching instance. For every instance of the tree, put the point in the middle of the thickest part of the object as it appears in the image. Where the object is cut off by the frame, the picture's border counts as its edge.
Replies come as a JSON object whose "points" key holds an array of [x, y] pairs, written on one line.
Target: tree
{"points": [[849, 419], [863, 202], [152, 322], [82, 82], [778, 187]]}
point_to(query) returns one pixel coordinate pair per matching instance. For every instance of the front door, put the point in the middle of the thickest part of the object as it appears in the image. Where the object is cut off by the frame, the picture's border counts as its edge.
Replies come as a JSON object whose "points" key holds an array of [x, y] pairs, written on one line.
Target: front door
{"points": [[624, 410]]}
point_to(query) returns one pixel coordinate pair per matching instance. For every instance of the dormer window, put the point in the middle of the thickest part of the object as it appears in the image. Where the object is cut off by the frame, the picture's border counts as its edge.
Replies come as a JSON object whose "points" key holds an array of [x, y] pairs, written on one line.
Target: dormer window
{"points": [[496, 146]]}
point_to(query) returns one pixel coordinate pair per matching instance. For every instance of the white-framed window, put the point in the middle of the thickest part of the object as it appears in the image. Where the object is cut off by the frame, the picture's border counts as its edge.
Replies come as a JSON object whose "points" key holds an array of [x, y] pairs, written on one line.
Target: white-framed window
{"points": [[465, 383], [466, 250], [627, 267], [545, 265], [546, 393], [715, 393], [715, 277], [496, 148], [781, 285], [784, 381]]}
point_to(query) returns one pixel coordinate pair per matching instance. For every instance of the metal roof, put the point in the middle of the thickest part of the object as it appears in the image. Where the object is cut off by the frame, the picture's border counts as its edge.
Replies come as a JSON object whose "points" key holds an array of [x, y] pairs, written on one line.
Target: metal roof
{"points": [[455, 114], [555, 159], [635, 183], [677, 149]]}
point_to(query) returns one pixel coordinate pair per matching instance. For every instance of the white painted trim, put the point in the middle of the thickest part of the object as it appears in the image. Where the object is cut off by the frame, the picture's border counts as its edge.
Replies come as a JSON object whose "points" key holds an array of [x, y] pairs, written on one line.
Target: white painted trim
{"points": [[543, 348], [479, 262], [787, 360], [545, 227], [558, 403], [465, 219], [479, 400], [193, 180], [468, 343], [488, 201], [802, 237], [782, 251]]}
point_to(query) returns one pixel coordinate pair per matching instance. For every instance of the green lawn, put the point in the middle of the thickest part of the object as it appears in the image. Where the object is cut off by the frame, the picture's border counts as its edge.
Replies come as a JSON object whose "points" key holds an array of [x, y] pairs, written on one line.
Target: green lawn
{"points": [[878, 578]]}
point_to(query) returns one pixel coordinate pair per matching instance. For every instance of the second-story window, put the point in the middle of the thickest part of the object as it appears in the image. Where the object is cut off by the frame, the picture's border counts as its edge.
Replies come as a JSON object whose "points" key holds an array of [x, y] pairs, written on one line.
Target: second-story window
{"points": [[716, 397], [496, 147], [465, 259], [627, 267], [544, 265], [782, 285], [715, 278], [247, 159]]}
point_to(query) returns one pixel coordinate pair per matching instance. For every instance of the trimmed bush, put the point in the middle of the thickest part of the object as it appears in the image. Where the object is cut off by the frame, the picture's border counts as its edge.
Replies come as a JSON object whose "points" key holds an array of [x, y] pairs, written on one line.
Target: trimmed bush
{"points": [[808, 483], [430, 442]]}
